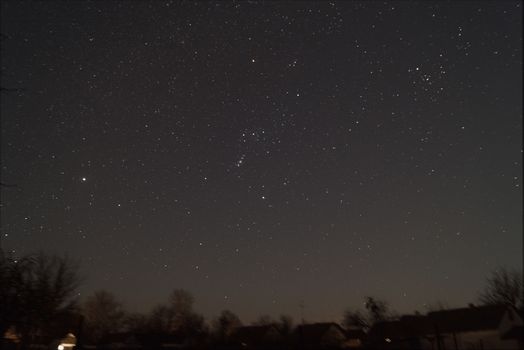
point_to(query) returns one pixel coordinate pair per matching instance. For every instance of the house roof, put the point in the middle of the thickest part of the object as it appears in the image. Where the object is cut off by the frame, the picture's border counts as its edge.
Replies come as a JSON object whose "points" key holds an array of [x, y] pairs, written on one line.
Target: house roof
{"points": [[468, 319], [313, 333]]}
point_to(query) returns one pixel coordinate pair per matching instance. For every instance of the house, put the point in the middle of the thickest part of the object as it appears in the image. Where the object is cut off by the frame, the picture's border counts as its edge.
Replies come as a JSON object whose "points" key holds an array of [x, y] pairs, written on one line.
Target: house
{"points": [[474, 327], [483, 328], [66, 343], [512, 326], [320, 336]]}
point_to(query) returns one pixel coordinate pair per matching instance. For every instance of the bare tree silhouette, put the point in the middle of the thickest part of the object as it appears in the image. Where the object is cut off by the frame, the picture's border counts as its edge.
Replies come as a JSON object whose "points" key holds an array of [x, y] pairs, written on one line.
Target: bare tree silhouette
{"points": [[355, 319], [225, 324], [35, 292], [503, 287], [103, 313]]}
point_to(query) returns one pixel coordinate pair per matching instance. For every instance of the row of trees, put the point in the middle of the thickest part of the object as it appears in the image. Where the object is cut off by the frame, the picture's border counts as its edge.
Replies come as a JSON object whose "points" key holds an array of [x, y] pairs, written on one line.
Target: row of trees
{"points": [[38, 296], [104, 314]]}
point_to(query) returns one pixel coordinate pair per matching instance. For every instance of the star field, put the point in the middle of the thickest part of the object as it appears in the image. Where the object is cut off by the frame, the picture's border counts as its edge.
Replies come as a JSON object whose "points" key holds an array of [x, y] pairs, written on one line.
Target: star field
{"points": [[260, 154]]}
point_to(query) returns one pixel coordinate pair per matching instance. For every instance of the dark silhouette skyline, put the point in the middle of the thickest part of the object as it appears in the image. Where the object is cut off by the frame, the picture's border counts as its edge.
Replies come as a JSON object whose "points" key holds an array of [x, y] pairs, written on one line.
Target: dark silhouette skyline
{"points": [[39, 307]]}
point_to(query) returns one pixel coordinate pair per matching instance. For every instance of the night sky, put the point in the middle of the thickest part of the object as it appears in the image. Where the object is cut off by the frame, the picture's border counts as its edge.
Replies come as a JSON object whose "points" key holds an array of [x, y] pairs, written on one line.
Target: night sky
{"points": [[260, 154]]}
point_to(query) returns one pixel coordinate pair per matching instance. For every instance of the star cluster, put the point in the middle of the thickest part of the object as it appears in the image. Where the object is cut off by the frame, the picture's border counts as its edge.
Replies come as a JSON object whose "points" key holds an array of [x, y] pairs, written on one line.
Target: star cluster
{"points": [[260, 154]]}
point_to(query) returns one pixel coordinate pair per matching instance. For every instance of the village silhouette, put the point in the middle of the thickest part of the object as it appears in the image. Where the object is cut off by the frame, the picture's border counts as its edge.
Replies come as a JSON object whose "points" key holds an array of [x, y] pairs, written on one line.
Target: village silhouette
{"points": [[38, 310]]}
